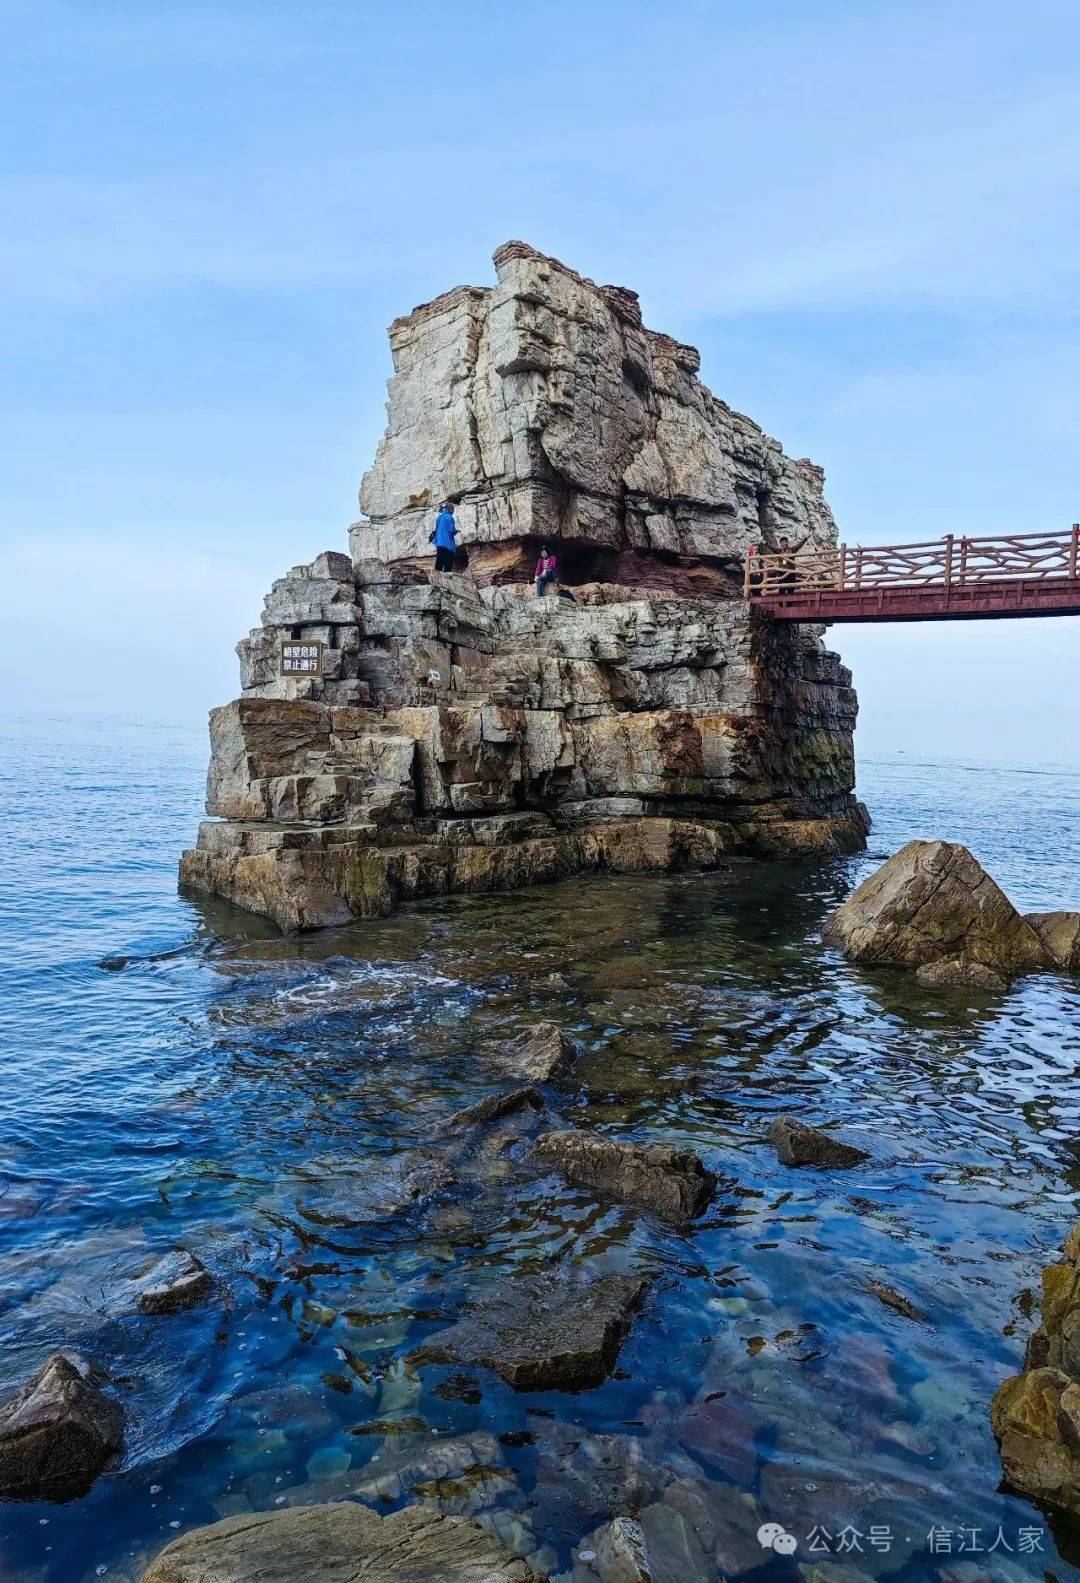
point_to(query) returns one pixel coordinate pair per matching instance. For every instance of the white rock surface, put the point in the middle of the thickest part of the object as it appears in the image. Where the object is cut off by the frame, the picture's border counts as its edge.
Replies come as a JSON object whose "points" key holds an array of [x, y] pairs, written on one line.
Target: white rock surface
{"points": [[545, 409]]}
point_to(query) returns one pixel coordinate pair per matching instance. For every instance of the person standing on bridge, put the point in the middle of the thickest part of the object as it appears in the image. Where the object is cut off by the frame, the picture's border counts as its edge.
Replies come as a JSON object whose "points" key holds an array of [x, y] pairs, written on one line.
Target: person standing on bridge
{"points": [[785, 566], [444, 538]]}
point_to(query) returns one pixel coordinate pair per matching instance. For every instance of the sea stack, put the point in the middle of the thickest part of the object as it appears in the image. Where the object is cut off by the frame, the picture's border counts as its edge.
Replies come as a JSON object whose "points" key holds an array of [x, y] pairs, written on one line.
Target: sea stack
{"points": [[403, 733]]}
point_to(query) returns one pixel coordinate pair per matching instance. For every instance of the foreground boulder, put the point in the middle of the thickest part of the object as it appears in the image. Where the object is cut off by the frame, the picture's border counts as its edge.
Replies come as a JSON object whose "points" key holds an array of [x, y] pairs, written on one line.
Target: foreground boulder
{"points": [[618, 1552], [671, 1182], [560, 1331], [797, 1144], [175, 1282], [342, 1542], [933, 902], [1035, 1415], [1060, 934], [541, 1055], [57, 1433]]}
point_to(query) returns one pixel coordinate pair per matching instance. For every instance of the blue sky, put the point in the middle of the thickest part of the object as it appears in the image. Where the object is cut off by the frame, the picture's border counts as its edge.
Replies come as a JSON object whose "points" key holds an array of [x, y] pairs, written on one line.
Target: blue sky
{"points": [[866, 216]]}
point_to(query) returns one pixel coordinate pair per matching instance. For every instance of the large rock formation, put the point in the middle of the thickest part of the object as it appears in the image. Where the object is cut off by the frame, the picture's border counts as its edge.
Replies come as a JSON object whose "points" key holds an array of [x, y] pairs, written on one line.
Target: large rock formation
{"points": [[456, 733], [548, 411]]}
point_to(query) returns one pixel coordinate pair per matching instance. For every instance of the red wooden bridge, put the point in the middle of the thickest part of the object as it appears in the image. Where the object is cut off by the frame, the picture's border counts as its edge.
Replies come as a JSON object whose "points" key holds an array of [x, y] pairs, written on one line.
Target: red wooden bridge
{"points": [[949, 579]]}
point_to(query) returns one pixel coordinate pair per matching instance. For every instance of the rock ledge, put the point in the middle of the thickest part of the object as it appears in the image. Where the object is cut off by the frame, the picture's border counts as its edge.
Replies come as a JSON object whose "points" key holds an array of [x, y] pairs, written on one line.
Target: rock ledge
{"points": [[1035, 1415]]}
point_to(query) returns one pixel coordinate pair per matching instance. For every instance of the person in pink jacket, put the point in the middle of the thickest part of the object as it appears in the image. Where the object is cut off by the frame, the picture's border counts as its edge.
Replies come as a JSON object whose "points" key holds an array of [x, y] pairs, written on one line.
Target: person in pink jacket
{"points": [[547, 571]]}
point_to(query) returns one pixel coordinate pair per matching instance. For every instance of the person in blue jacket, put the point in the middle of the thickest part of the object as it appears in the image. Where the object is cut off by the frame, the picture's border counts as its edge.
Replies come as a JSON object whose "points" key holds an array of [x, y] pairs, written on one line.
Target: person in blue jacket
{"points": [[445, 538]]}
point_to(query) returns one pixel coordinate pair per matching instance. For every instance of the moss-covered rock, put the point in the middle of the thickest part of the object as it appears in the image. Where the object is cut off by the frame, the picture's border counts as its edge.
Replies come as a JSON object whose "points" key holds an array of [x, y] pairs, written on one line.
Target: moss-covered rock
{"points": [[1035, 1415]]}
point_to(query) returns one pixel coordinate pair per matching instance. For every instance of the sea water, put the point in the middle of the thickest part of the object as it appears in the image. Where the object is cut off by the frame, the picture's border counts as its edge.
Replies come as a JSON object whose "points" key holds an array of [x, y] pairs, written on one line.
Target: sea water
{"points": [[178, 1073]]}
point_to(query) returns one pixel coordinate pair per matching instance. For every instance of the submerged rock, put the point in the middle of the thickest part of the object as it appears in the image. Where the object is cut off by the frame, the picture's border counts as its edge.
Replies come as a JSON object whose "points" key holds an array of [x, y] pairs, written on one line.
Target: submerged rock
{"points": [[673, 1547], [57, 1433], [838, 1572], [560, 1331], [389, 1187], [461, 1475], [1060, 934], [541, 1055], [582, 1477], [671, 1182], [959, 974], [933, 902], [175, 1282], [339, 1543], [698, 1533], [797, 1144], [619, 1553], [720, 1432], [495, 1107], [1035, 1415], [893, 1299]]}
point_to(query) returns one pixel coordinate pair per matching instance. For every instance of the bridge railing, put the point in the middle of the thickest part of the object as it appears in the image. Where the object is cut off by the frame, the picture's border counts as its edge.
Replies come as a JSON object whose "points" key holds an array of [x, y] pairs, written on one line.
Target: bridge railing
{"points": [[936, 563]]}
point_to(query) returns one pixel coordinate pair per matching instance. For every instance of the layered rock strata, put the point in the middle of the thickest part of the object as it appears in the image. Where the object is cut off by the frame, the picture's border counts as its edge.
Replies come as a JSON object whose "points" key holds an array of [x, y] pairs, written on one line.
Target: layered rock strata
{"points": [[457, 733], [545, 408]]}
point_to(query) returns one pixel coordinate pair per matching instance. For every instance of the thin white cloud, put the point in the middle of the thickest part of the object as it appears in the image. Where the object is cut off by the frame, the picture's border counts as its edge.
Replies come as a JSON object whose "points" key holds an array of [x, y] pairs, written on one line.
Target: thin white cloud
{"points": [[853, 162]]}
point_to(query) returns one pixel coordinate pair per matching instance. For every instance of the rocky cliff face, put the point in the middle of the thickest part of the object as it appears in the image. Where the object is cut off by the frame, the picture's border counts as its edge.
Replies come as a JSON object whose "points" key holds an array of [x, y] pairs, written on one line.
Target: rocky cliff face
{"points": [[547, 411], [460, 734]]}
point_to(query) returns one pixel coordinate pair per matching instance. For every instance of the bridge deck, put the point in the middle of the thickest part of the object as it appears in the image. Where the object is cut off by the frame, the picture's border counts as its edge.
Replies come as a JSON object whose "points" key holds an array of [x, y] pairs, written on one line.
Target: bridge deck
{"points": [[981, 602], [948, 579]]}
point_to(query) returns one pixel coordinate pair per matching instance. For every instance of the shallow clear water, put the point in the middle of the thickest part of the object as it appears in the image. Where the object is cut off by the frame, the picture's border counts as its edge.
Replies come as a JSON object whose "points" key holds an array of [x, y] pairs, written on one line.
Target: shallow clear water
{"points": [[180, 1073]]}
